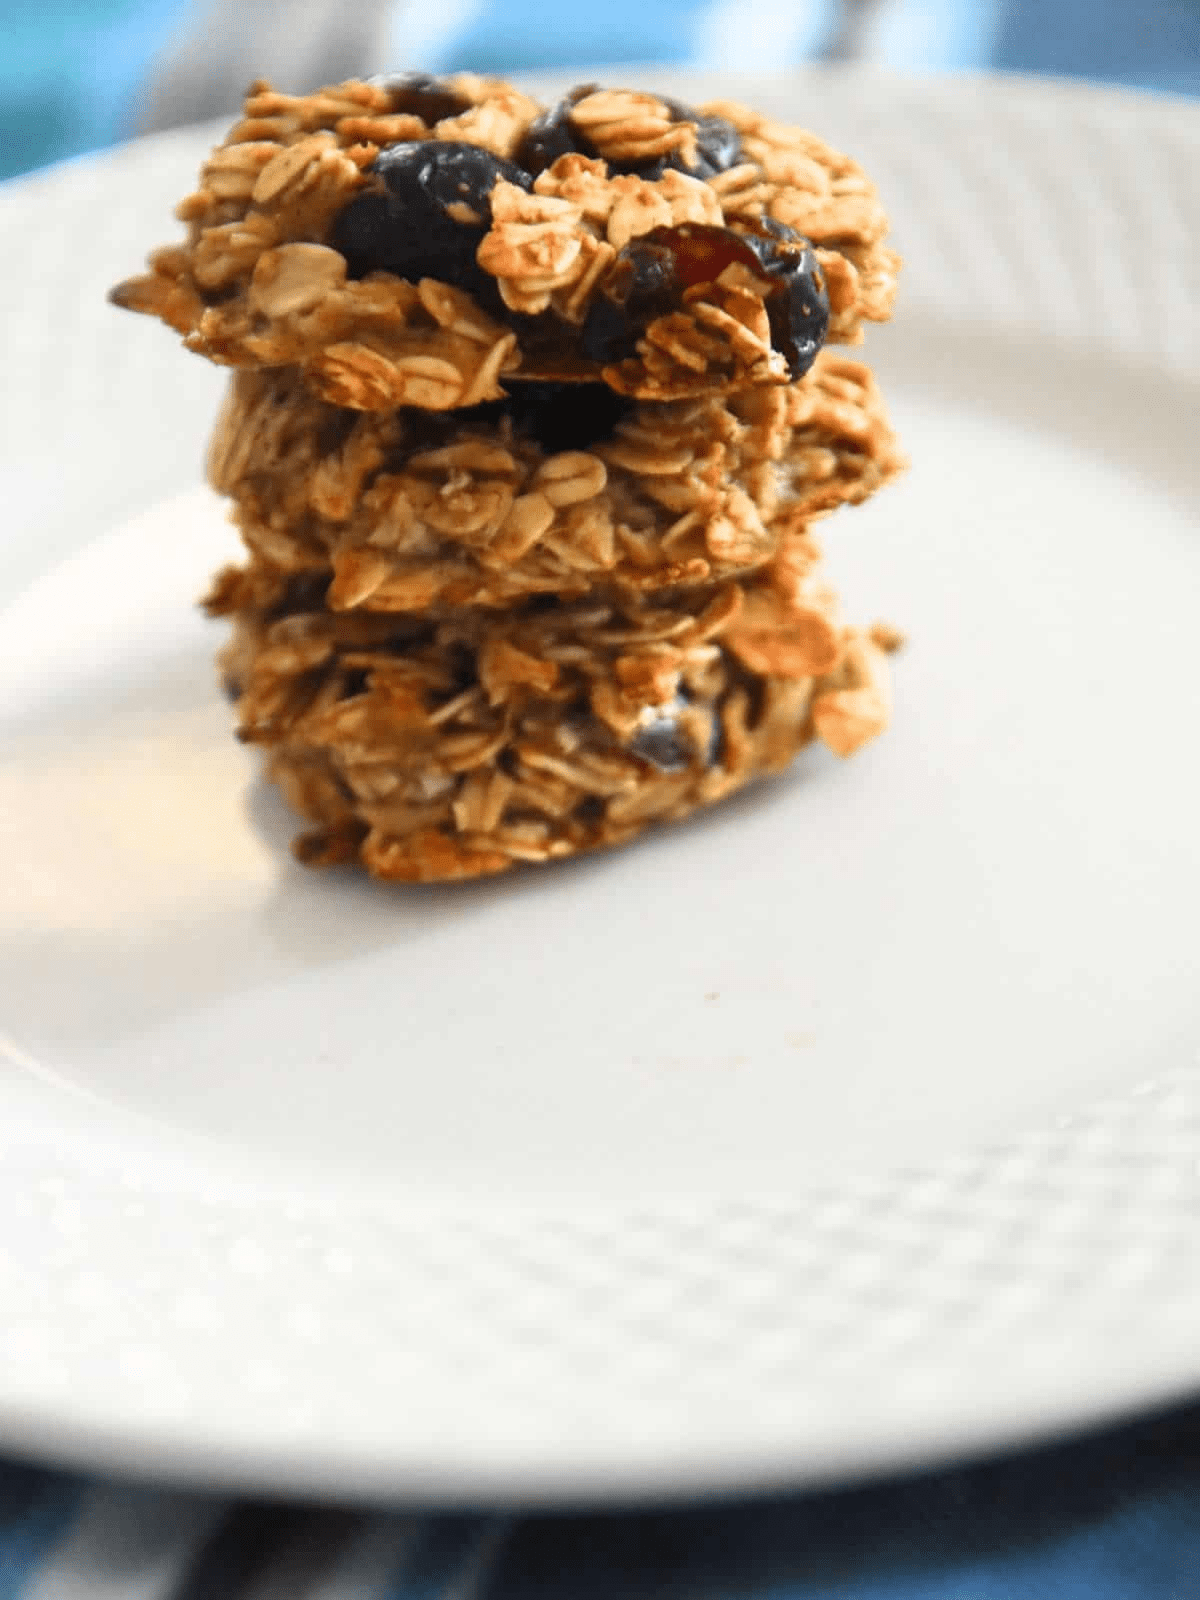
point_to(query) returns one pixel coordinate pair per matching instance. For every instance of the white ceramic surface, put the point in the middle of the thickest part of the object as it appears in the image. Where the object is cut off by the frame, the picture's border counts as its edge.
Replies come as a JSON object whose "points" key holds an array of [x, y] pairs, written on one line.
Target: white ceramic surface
{"points": [[855, 1124]]}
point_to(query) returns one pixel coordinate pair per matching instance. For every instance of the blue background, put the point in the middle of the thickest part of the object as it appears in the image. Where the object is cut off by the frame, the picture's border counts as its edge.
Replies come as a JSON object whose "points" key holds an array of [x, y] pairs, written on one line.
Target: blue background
{"points": [[73, 73]]}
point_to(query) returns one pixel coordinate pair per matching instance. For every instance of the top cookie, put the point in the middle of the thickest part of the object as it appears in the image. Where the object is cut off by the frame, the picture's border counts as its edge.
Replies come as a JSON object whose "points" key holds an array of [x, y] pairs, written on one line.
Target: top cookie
{"points": [[424, 242]]}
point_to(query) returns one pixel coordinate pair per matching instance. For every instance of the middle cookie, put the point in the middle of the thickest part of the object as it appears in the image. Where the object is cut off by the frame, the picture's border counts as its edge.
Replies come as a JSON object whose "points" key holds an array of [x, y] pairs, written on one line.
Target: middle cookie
{"points": [[552, 491]]}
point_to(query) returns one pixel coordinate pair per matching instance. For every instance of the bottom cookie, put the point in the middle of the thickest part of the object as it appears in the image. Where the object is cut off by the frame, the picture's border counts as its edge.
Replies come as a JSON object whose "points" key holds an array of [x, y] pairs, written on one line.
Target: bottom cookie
{"points": [[459, 746]]}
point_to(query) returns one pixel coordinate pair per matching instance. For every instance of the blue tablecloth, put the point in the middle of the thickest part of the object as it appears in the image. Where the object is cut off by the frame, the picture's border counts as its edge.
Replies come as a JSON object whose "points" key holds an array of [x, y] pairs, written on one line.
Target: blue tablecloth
{"points": [[1112, 1517]]}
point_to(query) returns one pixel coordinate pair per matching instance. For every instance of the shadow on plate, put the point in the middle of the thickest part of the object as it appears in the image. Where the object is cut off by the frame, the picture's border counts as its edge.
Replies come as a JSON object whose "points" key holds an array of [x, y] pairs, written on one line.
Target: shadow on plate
{"points": [[339, 913], [208, 947]]}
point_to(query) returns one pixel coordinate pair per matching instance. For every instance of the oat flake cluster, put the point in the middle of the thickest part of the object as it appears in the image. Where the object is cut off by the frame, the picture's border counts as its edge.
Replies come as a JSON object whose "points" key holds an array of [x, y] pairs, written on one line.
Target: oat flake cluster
{"points": [[533, 412]]}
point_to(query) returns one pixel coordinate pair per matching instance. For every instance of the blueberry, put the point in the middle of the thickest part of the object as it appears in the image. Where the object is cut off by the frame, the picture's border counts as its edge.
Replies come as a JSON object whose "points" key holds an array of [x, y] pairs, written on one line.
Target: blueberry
{"points": [[641, 285], [798, 309], [423, 95], [664, 744], [718, 145], [553, 134], [425, 213], [652, 272]]}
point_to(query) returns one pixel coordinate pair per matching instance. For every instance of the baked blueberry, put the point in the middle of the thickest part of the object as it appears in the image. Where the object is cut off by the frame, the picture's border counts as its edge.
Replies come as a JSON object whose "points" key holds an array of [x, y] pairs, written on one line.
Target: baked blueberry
{"points": [[425, 213], [662, 741], [642, 284], [554, 134], [718, 145], [798, 309], [423, 95], [652, 272]]}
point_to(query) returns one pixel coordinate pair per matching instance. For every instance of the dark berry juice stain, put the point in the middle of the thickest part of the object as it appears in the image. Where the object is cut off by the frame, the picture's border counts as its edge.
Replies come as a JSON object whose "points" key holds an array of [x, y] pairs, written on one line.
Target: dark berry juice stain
{"points": [[425, 212], [653, 271], [556, 416]]}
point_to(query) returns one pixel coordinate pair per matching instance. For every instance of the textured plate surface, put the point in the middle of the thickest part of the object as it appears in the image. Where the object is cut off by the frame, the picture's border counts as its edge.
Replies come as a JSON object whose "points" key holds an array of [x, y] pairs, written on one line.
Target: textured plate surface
{"points": [[853, 1125]]}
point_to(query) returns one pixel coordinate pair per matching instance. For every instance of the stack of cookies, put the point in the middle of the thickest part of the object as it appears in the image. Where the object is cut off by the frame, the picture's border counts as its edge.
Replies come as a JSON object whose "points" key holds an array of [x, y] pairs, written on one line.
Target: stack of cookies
{"points": [[531, 418]]}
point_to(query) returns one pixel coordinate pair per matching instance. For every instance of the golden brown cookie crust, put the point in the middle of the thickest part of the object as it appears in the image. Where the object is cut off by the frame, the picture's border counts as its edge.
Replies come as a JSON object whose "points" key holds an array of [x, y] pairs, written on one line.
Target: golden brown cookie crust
{"points": [[257, 283]]}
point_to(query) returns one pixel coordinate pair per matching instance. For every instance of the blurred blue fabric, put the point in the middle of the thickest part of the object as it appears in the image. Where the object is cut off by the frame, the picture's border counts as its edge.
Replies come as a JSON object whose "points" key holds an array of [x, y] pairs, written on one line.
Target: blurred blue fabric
{"points": [[71, 72], [1113, 1517], [76, 75]]}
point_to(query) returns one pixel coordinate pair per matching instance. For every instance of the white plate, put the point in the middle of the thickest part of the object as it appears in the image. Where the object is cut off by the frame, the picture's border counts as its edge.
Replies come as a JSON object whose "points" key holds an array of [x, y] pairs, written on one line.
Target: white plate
{"points": [[855, 1124]]}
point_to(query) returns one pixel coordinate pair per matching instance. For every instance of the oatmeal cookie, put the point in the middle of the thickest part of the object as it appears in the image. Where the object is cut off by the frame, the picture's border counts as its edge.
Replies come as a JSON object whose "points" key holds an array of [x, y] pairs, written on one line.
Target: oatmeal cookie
{"points": [[533, 414], [551, 491], [459, 746], [433, 242]]}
